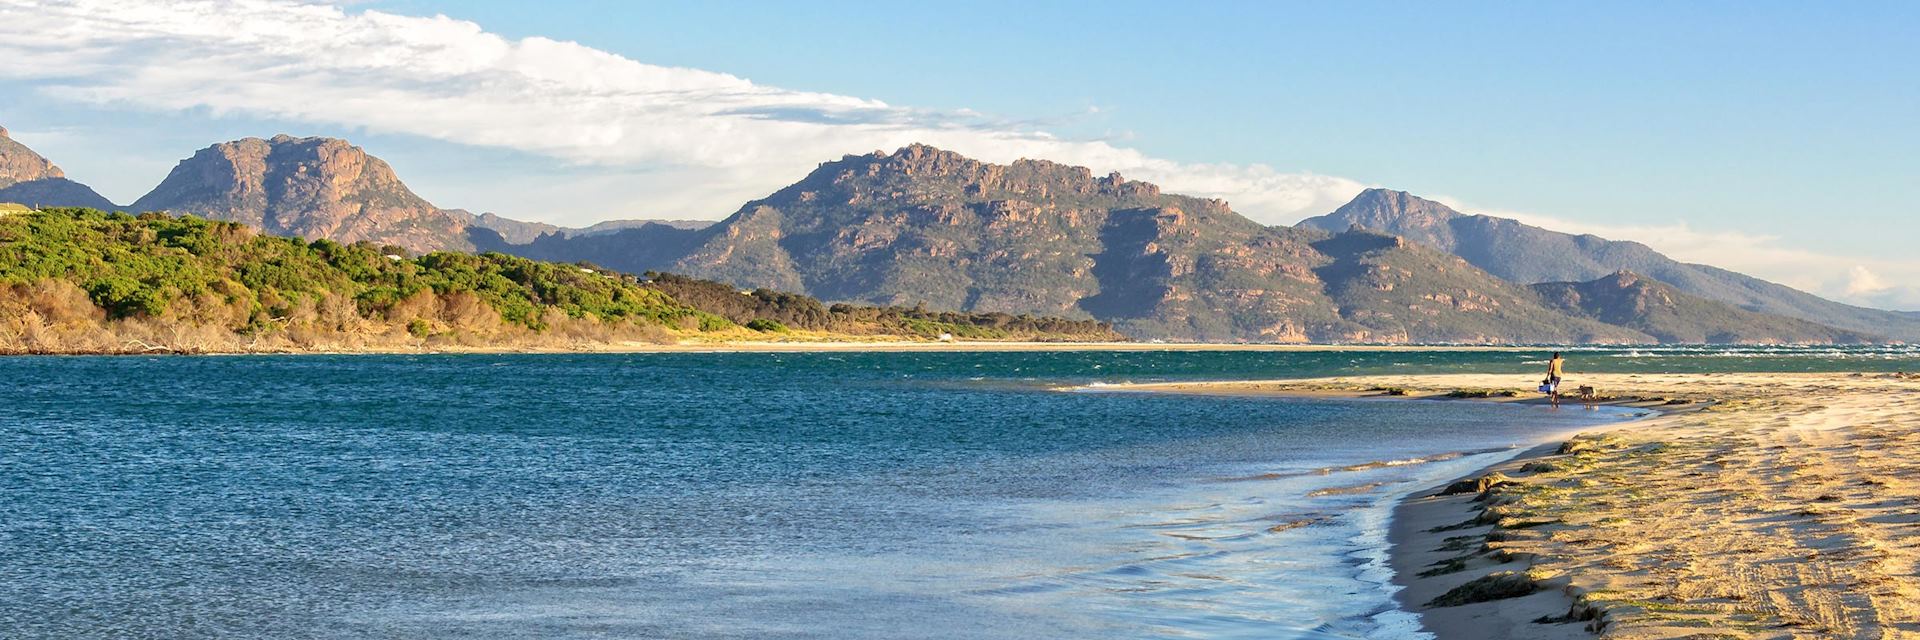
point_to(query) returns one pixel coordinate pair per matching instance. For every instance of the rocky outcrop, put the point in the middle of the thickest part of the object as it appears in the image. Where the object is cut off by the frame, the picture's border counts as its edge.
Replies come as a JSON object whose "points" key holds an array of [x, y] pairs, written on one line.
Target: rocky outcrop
{"points": [[307, 187], [21, 164]]}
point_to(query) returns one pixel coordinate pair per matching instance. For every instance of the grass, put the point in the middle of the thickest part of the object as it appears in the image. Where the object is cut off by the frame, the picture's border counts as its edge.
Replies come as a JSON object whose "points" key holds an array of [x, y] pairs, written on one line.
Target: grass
{"points": [[1495, 586], [1483, 393]]}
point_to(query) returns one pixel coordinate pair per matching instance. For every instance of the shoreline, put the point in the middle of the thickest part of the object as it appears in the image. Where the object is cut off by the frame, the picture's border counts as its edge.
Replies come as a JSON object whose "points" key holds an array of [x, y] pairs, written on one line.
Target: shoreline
{"points": [[1765, 506], [1419, 509], [809, 346]]}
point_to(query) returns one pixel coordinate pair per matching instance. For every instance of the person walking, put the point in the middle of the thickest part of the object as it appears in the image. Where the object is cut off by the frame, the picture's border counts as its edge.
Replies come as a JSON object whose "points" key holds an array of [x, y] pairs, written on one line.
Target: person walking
{"points": [[1555, 367]]}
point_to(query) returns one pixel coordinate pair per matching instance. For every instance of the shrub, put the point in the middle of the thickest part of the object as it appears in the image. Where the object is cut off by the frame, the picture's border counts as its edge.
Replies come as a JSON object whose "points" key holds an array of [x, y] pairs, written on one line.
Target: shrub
{"points": [[764, 325], [123, 297]]}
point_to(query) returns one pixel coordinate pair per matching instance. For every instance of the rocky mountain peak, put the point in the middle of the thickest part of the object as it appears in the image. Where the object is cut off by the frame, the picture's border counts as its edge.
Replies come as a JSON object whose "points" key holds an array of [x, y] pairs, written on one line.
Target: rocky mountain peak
{"points": [[931, 172], [1397, 212], [1385, 207], [311, 187], [1624, 278], [919, 158], [21, 164]]}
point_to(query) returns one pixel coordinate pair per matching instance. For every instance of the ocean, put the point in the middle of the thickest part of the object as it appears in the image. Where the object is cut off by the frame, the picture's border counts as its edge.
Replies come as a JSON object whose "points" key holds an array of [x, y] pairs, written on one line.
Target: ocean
{"points": [[737, 495]]}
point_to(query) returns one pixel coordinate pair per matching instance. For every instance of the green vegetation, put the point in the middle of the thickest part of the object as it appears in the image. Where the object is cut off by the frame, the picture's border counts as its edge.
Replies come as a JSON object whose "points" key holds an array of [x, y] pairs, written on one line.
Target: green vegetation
{"points": [[1483, 393], [143, 266], [764, 325], [791, 311], [1450, 565], [1495, 586], [89, 281]]}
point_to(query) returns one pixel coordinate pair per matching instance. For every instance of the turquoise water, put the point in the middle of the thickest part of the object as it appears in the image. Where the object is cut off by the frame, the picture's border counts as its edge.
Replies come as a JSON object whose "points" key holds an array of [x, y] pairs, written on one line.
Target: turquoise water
{"points": [[730, 495]]}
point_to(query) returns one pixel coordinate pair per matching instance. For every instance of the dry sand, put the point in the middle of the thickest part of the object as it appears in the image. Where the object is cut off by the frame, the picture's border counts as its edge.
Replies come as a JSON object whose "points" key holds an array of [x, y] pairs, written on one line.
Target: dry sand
{"points": [[1788, 507]]}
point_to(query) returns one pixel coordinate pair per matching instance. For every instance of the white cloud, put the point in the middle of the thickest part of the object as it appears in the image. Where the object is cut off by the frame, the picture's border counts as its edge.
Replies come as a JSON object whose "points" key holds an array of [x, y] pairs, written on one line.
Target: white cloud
{"points": [[1847, 279], [451, 80], [648, 139], [1862, 281]]}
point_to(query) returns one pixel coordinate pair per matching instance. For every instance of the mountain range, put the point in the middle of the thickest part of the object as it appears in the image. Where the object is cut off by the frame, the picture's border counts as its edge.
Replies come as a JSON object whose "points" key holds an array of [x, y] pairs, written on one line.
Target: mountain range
{"points": [[1521, 252], [924, 226]]}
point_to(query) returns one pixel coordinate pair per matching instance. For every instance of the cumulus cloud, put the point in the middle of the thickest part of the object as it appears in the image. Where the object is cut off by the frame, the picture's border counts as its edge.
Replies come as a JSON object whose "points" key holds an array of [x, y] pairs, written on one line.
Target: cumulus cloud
{"points": [[450, 80]]}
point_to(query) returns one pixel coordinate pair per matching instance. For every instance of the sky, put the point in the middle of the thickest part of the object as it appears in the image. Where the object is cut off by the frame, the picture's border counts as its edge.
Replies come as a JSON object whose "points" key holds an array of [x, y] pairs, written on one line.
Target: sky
{"points": [[1775, 139]]}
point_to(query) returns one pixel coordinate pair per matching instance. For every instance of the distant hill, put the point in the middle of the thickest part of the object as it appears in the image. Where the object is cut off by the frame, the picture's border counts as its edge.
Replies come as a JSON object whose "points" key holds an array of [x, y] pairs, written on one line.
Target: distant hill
{"points": [[1527, 254], [28, 178], [82, 280], [611, 226], [1385, 281], [523, 232], [1664, 312], [307, 187], [508, 229], [55, 192]]}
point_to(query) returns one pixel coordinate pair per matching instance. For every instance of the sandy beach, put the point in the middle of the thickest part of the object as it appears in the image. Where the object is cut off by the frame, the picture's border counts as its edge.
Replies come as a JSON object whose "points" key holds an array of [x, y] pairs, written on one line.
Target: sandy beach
{"points": [[1753, 506]]}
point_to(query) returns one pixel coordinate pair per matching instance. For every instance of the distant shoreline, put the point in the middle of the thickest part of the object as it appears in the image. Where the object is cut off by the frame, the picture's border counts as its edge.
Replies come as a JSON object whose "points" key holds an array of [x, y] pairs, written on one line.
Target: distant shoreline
{"points": [[805, 346], [1653, 528]]}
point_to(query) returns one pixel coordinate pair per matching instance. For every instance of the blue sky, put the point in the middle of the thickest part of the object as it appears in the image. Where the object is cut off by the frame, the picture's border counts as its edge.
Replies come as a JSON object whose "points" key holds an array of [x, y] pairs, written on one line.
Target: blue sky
{"points": [[1768, 137]]}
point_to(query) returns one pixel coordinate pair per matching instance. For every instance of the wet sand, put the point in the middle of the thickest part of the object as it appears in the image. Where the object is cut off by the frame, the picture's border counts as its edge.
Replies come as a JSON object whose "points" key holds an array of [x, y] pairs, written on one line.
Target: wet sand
{"points": [[1756, 506]]}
